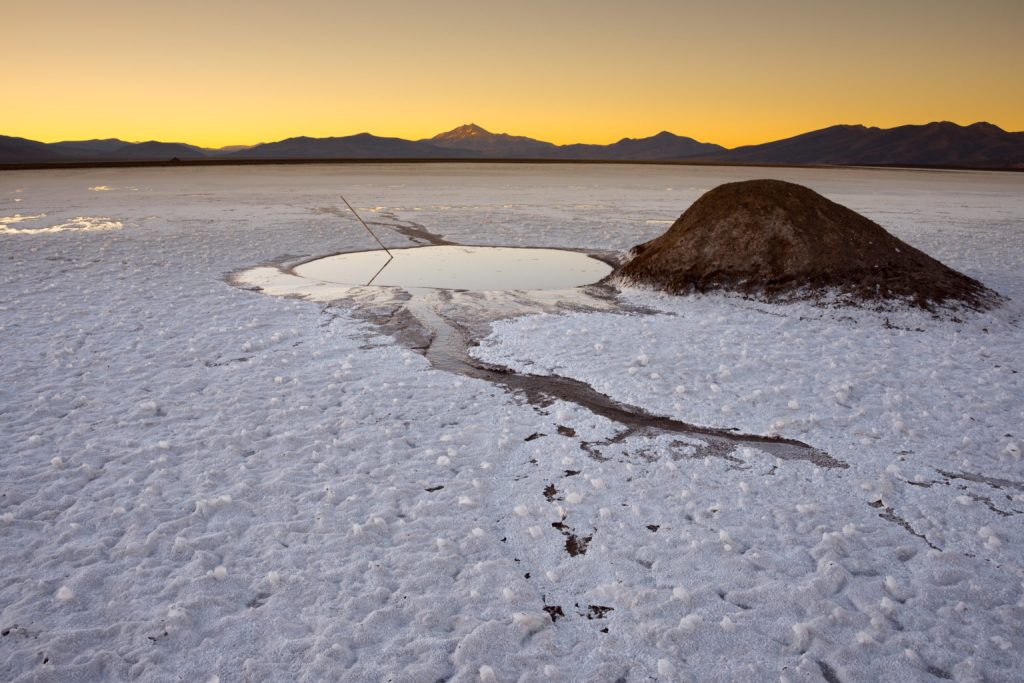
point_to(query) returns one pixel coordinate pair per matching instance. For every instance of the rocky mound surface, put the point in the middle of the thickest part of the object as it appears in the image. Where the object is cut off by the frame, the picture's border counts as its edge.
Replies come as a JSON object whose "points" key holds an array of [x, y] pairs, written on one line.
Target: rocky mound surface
{"points": [[780, 239]]}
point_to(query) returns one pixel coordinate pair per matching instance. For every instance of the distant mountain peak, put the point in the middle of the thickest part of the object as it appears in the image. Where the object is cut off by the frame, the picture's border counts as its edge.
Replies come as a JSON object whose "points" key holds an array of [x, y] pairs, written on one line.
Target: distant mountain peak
{"points": [[471, 137], [985, 125], [466, 130], [663, 136]]}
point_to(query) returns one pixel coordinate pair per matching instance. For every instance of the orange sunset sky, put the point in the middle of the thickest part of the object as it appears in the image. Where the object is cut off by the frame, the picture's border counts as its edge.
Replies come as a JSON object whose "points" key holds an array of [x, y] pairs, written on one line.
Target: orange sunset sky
{"points": [[222, 72]]}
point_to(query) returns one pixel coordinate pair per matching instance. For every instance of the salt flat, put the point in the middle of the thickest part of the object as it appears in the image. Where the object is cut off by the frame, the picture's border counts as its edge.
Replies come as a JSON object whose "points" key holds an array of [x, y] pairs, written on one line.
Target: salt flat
{"points": [[199, 482]]}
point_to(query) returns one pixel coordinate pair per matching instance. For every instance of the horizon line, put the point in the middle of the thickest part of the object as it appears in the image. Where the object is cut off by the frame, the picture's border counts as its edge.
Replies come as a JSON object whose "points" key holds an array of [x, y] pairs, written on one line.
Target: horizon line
{"points": [[359, 161]]}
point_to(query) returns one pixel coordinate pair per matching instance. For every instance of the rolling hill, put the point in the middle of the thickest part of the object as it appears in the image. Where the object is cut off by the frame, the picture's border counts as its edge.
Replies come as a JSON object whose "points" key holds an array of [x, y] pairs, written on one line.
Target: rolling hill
{"points": [[980, 145], [361, 146]]}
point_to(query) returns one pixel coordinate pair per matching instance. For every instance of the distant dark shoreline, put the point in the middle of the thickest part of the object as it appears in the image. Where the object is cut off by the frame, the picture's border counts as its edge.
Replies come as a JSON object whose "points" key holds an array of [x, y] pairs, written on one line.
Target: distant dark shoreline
{"points": [[413, 160]]}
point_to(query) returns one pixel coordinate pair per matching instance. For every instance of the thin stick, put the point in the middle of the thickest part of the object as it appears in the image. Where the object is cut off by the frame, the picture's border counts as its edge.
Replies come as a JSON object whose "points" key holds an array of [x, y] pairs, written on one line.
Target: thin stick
{"points": [[379, 272], [360, 219]]}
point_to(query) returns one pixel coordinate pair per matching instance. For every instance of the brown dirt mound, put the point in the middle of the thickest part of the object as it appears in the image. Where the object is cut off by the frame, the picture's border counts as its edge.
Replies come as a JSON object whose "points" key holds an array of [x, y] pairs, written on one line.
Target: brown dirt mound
{"points": [[780, 239]]}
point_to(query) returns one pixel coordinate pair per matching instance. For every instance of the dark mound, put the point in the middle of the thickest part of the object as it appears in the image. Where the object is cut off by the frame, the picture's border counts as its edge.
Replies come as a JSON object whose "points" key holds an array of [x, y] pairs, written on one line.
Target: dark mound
{"points": [[778, 239]]}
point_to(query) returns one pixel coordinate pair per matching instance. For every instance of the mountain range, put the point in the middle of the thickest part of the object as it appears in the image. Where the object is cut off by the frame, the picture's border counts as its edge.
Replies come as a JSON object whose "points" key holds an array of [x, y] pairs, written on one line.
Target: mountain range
{"points": [[939, 144]]}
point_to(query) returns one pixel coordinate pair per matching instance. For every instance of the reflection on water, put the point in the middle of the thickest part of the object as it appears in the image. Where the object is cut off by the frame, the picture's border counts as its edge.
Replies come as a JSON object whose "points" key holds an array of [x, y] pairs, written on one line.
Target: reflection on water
{"points": [[457, 267]]}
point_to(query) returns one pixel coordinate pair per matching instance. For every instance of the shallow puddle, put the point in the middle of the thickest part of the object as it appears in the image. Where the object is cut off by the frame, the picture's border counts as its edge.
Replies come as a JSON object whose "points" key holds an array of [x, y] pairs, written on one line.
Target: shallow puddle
{"points": [[459, 267]]}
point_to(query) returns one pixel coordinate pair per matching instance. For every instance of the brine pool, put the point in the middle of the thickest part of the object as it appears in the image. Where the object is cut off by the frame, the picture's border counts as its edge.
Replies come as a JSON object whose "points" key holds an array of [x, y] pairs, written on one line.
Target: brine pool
{"points": [[458, 267]]}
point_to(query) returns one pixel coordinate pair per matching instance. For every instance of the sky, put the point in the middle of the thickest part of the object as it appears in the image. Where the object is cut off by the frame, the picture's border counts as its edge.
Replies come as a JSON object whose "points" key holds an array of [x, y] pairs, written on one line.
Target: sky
{"points": [[733, 72]]}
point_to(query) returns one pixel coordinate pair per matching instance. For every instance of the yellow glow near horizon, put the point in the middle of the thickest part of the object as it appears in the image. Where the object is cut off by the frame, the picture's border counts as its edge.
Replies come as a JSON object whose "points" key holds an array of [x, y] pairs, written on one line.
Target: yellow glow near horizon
{"points": [[224, 72]]}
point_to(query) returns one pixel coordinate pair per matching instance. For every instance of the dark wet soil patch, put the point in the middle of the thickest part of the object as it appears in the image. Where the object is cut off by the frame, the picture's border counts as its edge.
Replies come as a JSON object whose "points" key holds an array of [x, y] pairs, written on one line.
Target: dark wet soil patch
{"points": [[574, 545], [257, 602], [827, 672], [577, 545], [221, 363], [939, 673], [555, 612], [981, 479], [987, 502], [999, 485], [550, 492], [889, 515], [414, 231]]}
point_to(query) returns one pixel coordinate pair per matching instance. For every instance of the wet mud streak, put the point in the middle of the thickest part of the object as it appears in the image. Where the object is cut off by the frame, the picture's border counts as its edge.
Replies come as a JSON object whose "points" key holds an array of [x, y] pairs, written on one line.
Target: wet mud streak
{"points": [[827, 672], [448, 351], [555, 612], [414, 231], [594, 448], [981, 479], [889, 515], [575, 545]]}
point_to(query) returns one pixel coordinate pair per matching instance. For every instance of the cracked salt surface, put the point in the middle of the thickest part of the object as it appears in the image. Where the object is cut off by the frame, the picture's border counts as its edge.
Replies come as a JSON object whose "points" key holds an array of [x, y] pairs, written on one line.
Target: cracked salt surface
{"points": [[199, 481]]}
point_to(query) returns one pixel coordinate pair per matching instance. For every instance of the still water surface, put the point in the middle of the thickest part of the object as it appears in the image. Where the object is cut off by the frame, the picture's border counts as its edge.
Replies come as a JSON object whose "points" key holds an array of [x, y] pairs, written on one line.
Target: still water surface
{"points": [[458, 267]]}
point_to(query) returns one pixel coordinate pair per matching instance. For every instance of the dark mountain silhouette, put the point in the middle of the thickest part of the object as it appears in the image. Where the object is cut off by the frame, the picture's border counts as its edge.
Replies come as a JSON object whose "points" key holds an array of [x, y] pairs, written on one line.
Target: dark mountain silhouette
{"points": [[494, 145], [155, 151], [980, 145], [361, 146], [940, 144], [228, 149], [23, 151], [661, 147], [88, 148]]}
